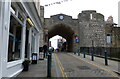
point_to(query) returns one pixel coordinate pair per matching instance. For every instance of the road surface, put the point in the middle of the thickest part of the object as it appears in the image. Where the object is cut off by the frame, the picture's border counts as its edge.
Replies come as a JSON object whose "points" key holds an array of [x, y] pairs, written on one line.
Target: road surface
{"points": [[68, 65]]}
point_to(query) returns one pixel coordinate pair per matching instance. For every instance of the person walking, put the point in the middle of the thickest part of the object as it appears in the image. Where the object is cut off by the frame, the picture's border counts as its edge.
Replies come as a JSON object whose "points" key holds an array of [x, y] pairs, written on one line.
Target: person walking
{"points": [[45, 48]]}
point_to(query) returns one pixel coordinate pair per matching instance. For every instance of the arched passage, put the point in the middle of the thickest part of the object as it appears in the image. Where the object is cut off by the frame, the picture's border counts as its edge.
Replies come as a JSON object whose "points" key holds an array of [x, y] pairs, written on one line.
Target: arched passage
{"points": [[64, 31]]}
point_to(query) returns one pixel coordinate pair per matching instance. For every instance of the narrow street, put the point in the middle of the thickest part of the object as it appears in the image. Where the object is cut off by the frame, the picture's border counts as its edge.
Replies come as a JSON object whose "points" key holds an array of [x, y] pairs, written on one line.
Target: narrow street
{"points": [[59, 39], [71, 66], [68, 65]]}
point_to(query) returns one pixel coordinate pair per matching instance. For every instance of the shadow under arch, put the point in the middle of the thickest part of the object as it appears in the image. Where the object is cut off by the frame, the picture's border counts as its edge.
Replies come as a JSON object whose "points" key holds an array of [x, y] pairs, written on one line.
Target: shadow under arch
{"points": [[64, 31]]}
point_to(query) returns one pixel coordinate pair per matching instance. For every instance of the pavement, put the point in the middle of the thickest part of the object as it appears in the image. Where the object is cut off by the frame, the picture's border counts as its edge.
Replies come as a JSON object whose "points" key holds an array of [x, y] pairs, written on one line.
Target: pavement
{"points": [[36, 70], [112, 64], [72, 65]]}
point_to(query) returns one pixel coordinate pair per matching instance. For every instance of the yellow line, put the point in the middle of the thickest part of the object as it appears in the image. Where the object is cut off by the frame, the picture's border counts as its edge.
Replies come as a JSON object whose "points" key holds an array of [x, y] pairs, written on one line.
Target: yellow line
{"points": [[111, 72], [61, 67]]}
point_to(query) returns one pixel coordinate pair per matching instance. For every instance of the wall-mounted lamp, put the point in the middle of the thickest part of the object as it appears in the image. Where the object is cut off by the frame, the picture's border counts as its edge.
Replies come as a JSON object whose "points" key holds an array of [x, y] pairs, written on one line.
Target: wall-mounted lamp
{"points": [[29, 20]]}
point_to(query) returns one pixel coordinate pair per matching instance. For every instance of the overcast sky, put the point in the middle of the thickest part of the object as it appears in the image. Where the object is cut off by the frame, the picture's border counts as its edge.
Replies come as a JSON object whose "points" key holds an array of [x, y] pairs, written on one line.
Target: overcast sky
{"points": [[74, 7]]}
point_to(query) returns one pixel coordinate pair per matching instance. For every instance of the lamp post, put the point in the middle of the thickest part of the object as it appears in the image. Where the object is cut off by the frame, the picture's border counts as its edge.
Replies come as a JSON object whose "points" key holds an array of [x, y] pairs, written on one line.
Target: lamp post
{"points": [[106, 61], [92, 53], [84, 52], [105, 53]]}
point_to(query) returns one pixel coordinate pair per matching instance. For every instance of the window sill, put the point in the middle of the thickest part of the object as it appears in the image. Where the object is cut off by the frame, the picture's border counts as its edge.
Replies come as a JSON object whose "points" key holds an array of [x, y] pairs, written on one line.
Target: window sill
{"points": [[13, 63]]}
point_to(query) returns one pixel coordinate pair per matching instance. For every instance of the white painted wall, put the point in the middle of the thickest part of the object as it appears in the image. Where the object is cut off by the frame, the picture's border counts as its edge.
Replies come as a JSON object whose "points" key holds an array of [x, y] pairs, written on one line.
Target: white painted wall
{"points": [[41, 39], [119, 13], [15, 67], [37, 45], [23, 40], [10, 69], [35, 41], [1, 38], [6, 20]]}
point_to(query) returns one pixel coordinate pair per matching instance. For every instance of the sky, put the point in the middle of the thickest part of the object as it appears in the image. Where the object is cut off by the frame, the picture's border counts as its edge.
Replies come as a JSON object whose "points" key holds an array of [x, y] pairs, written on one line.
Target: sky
{"points": [[74, 7], [54, 41]]}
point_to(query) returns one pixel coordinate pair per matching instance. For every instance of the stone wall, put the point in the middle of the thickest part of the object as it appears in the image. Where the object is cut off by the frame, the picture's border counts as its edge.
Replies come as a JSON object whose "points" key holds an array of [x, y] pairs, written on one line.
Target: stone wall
{"points": [[92, 32], [90, 28], [116, 37]]}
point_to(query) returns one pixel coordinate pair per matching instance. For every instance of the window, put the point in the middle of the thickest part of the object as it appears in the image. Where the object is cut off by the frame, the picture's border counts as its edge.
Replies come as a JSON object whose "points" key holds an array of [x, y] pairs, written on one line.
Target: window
{"points": [[14, 46], [20, 17], [12, 9], [109, 39], [91, 16]]}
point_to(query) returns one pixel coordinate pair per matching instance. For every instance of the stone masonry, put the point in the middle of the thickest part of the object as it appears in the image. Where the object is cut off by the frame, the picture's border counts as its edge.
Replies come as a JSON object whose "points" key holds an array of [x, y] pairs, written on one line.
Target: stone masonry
{"points": [[90, 28]]}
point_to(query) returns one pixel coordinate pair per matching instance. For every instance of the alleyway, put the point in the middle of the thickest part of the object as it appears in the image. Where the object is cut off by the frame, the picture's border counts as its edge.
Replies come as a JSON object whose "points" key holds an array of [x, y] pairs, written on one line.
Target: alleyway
{"points": [[70, 65]]}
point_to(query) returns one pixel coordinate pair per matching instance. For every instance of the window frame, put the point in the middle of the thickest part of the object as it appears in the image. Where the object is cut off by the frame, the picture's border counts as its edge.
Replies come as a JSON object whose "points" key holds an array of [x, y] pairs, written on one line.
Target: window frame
{"points": [[10, 34]]}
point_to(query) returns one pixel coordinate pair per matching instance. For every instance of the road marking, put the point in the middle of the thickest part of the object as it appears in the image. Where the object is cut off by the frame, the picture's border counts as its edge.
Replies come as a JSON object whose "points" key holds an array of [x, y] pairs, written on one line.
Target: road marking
{"points": [[56, 68], [111, 72], [61, 67]]}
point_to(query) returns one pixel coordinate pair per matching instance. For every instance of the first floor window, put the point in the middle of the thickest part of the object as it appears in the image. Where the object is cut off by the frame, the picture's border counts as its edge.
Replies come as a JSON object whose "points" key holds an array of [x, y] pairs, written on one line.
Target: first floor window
{"points": [[14, 46]]}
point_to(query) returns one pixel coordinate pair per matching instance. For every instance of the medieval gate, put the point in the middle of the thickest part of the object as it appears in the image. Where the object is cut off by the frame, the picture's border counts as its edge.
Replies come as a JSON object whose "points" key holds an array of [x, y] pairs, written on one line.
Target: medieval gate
{"points": [[88, 28]]}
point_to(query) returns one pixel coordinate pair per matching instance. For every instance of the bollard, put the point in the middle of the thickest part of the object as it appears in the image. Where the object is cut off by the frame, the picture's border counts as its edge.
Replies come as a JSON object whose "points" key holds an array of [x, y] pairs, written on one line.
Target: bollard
{"points": [[51, 58], [49, 64], [92, 54], [84, 52], [78, 52], [106, 61]]}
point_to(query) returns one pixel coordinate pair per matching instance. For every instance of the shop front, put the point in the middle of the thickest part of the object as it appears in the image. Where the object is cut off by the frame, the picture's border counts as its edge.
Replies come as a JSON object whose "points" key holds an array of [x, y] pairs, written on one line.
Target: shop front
{"points": [[19, 37]]}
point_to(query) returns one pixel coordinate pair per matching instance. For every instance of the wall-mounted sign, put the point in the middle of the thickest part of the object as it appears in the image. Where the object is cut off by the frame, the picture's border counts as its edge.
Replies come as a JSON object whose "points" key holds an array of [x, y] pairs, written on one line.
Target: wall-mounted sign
{"points": [[76, 39]]}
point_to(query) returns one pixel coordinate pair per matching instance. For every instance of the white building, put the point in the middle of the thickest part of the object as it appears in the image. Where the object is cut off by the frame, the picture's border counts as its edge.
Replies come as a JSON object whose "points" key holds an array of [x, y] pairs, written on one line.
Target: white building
{"points": [[119, 13], [20, 28]]}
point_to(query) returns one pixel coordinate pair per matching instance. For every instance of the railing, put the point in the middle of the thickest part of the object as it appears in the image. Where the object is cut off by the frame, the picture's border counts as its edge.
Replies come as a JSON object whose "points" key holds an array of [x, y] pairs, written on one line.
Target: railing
{"points": [[112, 53]]}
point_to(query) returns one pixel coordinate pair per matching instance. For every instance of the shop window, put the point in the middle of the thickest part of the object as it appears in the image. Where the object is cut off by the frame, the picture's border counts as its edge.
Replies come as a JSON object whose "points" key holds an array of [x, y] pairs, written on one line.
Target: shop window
{"points": [[20, 17], [14, 46], [12, 9]]}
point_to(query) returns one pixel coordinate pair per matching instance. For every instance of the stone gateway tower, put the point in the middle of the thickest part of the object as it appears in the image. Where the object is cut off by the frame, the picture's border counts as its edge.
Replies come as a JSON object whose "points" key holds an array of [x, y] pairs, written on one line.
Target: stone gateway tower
{"points": [[87, 31], [92, 30]]}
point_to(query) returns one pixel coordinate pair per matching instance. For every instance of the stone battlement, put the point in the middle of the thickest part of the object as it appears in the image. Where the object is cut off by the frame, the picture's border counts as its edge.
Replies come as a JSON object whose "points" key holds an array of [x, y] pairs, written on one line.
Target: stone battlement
{"points": [[90, 15]]}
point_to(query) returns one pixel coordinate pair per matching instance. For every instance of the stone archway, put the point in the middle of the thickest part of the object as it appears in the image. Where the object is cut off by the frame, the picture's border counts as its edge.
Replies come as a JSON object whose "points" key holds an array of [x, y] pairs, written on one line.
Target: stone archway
{"points": [[64, 31], [67, 27]]}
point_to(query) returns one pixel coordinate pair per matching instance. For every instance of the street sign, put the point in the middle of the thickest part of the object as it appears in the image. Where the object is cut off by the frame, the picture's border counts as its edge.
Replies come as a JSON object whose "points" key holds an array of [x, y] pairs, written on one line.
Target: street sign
{"points": [[76, 39]]}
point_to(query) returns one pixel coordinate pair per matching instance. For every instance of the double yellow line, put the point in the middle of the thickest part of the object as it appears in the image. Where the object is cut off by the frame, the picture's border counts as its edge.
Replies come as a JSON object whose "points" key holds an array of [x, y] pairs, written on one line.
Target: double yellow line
{"points": [[111, 72], [61, 67]]}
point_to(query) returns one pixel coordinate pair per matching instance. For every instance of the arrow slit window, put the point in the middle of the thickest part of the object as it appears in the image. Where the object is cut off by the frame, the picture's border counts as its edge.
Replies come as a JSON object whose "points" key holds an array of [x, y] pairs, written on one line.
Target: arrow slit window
{"points": [[91, 16]]}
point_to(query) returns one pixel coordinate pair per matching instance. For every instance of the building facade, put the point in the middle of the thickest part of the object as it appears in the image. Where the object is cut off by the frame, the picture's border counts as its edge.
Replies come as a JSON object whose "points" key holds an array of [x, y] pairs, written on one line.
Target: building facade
{"points": [[90, 29], [20, 34]]}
